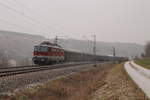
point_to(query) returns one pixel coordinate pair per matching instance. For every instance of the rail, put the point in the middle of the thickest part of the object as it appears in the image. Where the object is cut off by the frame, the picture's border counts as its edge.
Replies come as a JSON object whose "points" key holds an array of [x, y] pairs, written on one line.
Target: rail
{"points": [[28, 69]]}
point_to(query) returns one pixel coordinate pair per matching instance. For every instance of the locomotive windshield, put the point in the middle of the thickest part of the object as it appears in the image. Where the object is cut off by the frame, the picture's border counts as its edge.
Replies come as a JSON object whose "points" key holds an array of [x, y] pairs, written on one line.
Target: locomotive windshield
{"points": [[41, 48]]}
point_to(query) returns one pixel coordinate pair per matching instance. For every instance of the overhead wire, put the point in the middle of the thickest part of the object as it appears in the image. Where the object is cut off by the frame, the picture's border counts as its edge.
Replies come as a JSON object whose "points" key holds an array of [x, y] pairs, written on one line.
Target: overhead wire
{"points": [[23, 14], [32, 12], [14, 24]]}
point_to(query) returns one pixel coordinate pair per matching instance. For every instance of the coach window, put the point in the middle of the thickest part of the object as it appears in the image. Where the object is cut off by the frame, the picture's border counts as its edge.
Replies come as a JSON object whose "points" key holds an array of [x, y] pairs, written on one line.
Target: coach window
{"points": [[53, 49], [49, 49], [36, 48], [44, 49], [56, 50]]}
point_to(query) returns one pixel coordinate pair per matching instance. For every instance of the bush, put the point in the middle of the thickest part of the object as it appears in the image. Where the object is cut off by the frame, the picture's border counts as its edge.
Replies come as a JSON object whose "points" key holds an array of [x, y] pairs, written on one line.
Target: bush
{"points": [[147, 50], [3, 58]]}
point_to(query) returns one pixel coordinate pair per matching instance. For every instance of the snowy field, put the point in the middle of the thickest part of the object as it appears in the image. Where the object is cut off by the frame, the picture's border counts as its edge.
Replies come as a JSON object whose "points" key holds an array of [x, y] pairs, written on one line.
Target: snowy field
{"points": [[139, 75]]}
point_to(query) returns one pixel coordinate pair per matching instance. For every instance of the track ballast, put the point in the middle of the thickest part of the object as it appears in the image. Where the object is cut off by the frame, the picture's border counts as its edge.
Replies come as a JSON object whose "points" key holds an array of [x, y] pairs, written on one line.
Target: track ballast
{"points": [[8, 71]]}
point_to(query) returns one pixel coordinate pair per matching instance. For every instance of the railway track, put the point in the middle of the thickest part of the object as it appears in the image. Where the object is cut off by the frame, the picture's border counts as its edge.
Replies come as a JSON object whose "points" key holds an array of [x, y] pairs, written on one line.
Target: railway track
{"points": [[28, 69]]}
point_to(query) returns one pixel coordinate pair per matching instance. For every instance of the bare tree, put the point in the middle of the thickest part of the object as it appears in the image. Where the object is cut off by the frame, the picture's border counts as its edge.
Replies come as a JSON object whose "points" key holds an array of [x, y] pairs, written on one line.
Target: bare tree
{"points": [[143, 55], [147, 50], [3, 58], [24, 62]]}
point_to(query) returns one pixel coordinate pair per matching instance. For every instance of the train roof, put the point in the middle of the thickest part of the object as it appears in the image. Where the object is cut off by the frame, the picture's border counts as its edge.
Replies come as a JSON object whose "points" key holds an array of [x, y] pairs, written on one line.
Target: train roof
{"points": [[49, 44]]}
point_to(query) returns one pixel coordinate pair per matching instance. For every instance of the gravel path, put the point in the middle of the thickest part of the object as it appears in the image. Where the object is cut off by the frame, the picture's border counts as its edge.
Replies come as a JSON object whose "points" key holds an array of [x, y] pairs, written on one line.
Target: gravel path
{"points": [[142, 80], [11, 83]]}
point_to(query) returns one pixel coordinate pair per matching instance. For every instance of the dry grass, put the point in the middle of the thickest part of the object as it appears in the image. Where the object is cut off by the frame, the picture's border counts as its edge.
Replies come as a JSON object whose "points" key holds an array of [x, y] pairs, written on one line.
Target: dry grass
{"points": [[145, 62], [119, 86], [74, 87]]}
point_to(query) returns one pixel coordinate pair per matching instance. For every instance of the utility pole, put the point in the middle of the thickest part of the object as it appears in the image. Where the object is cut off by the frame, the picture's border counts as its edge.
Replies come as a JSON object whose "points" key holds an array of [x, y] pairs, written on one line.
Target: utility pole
{"points": [[114, 51], [94, 49], [114, 54], [83, 56], [56, 39]]}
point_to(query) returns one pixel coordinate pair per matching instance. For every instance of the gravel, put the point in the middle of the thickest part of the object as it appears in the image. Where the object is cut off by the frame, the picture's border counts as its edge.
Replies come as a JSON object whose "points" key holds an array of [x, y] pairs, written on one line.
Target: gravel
{"points": [[11, 83]]}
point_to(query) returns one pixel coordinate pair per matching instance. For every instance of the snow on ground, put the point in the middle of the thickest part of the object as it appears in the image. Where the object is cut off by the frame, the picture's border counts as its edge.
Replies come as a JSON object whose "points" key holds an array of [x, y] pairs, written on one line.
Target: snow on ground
{"points": [[136, 73], [143, 71]]}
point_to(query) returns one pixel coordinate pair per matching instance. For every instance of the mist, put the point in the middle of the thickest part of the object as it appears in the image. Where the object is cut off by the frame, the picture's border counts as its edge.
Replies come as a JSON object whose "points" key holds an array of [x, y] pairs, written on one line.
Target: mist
{"points": [[111, 21]]}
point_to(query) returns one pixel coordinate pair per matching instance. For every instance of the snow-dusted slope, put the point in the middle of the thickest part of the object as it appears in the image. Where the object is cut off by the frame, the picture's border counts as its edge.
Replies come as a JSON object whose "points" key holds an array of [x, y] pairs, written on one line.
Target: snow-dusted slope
{"points": [[136, 73], [143, 71]]}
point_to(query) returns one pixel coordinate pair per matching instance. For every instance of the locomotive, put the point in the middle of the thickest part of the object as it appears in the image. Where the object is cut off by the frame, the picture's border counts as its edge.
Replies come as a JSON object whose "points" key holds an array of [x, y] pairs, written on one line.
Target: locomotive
{"points": [[47, 53]]}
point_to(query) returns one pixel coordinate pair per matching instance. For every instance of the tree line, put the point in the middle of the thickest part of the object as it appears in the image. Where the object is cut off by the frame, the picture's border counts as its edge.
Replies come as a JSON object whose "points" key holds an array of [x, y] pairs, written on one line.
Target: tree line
{"points": [[5, 59], [147, 50]]}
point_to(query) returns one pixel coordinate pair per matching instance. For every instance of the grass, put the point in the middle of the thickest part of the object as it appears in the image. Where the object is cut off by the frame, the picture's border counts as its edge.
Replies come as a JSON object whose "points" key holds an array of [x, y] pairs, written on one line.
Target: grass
{"points": [[77, 86], [119, 86], [145, 62]]}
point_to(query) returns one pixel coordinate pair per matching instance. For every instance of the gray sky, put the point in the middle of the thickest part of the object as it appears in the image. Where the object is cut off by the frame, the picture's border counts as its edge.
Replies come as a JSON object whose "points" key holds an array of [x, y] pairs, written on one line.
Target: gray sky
{"points": [[110, 20]]}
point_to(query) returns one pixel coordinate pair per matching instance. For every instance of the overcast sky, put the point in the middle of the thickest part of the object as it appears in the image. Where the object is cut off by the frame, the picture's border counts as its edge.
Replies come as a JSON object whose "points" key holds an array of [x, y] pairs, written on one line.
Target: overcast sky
{"points": [[110, 20]]}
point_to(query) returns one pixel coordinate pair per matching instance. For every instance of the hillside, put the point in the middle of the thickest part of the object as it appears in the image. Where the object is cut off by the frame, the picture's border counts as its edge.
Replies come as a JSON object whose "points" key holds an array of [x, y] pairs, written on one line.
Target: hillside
{"points": [[19, 46], [104, 48]]}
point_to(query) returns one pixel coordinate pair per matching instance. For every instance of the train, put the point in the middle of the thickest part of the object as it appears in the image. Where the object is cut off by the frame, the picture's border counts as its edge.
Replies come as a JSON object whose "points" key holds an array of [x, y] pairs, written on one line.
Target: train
{"points": [[48, 53]]}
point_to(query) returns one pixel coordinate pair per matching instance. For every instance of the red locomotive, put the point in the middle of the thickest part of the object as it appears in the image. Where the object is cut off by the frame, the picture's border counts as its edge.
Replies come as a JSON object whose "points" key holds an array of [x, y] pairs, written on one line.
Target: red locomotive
{"points": [[47, 52]]}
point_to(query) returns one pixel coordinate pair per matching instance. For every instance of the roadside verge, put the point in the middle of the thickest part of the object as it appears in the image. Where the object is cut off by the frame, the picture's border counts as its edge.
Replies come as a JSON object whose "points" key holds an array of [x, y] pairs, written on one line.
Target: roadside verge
{"points": [[119, 86]]}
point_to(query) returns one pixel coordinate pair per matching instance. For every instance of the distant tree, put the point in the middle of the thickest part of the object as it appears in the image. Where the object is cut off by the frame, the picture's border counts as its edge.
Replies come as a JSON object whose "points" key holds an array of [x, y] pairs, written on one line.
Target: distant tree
{"points": [[136, 57], [3, 58], [143, 55], [147, 50], [24, 62]]}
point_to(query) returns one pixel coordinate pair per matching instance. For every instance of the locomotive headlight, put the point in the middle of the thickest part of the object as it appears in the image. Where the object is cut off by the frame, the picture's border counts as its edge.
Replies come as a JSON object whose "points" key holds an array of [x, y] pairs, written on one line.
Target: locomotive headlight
{"points": [[34, 58]]}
